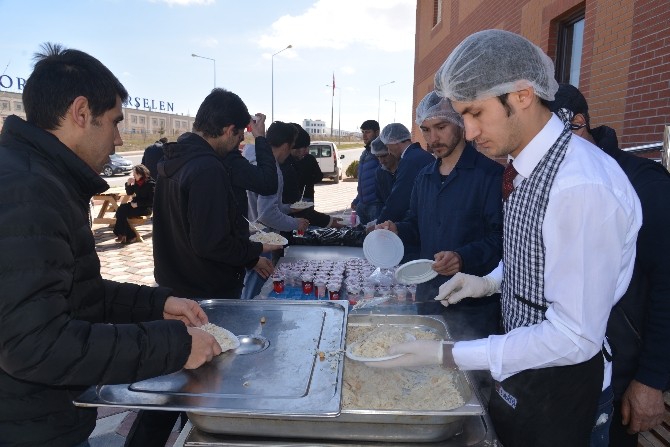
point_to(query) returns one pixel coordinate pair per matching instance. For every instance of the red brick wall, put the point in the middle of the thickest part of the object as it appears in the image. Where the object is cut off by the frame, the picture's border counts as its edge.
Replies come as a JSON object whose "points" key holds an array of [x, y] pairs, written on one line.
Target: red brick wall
{"points": [[625, 73], [648, 94]]}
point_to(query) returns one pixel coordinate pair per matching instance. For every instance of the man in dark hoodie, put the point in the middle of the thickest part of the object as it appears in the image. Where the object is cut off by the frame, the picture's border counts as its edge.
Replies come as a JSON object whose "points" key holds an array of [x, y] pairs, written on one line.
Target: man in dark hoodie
{"points": [[64, 327], [638, 329], [201, 244]]}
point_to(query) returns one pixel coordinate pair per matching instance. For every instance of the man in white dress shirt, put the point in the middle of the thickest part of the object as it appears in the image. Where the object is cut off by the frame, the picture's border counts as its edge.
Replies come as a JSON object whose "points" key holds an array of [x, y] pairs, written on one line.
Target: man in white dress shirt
{"points": [[570, 225]]}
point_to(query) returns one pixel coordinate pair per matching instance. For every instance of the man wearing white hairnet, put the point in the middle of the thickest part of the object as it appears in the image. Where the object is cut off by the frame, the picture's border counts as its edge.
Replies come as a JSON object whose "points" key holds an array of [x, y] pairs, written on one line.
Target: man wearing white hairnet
{"points": [[412, 158], [385, 173], [455, 216], [570, 224]]}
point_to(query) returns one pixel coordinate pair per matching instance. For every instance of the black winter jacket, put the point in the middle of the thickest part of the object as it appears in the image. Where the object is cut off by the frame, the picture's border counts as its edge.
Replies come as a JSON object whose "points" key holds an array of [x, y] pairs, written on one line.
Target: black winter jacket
{"points": [[367, 165], [201, 244], [292, 191], [55, 306], [309, 174], [151, 157], [260, 178], [144, 195], [638, 328]]}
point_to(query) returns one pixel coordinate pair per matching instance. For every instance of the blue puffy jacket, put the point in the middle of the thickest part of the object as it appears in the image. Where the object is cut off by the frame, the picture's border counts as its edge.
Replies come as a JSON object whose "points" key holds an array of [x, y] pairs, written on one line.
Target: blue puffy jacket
{"points": [[367, 165]]}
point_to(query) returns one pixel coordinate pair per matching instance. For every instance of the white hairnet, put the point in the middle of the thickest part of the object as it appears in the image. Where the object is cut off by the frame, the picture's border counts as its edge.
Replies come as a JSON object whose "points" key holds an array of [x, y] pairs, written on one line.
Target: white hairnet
{"points": [[432, 107], [394, 133], [378, 148], [494, 62]]}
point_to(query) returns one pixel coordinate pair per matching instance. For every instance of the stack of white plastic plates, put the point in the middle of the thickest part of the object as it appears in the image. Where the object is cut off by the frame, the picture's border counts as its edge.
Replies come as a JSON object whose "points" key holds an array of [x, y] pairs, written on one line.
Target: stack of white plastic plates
{"points": [[383, 248], [415, 272]]}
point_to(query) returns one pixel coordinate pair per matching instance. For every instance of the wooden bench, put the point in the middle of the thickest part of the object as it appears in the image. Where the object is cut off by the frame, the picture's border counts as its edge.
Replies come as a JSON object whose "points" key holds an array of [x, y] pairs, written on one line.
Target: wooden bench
{"points": [[658, 436], [139, 220]]}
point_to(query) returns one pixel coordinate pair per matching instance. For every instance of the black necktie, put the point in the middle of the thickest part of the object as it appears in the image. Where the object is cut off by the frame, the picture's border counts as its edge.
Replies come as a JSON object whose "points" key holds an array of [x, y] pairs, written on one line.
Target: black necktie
{"points": [[508, 180]]}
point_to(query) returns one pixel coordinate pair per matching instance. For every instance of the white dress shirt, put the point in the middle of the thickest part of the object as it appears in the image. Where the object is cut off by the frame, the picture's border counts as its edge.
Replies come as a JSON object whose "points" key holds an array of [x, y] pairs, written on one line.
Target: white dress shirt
{"points": [[589, 233]]}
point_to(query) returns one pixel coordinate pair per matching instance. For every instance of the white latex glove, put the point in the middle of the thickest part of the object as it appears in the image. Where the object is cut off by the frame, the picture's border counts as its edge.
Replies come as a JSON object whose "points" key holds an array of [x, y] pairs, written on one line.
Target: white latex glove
{"points": [[462, 285], [417, 353]]}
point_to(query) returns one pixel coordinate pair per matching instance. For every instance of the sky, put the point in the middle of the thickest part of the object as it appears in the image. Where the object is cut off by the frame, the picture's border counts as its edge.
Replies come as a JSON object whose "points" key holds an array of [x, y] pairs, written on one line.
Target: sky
{"points": [[148, 45]]}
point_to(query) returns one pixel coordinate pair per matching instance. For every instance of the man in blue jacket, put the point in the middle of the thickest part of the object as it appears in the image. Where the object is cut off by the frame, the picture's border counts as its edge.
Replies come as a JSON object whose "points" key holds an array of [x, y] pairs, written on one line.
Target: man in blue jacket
{"points": [[411, 159], [365, 203], [455, 215], [638, 329], [385, 173]]}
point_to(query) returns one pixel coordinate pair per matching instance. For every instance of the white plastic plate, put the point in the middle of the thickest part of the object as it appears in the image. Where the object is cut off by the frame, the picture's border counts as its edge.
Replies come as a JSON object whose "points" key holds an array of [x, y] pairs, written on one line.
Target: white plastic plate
{"points": [[350, 354], [415, 272], [231, 336], [302, 205], [257, 237], [236, 341], [383, 248]]}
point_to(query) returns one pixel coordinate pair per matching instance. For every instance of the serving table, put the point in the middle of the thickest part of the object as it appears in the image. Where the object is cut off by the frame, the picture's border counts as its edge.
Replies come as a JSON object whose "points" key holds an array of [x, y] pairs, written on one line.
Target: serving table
{"points": [[284, 385]]}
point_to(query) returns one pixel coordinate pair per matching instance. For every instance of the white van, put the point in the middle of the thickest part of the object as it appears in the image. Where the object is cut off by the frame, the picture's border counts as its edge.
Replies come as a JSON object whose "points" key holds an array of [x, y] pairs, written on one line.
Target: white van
{"points": [[326, 154]]}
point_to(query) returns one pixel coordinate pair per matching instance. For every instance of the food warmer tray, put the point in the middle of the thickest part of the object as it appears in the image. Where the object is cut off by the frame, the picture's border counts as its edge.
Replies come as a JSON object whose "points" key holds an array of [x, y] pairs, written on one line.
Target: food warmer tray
{"points": [[477, 432], [360, 424], [276, 372]]}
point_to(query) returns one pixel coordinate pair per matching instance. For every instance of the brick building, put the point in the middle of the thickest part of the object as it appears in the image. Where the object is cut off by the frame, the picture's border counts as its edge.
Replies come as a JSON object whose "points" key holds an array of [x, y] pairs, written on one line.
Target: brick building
{"points": [[617, 52]]}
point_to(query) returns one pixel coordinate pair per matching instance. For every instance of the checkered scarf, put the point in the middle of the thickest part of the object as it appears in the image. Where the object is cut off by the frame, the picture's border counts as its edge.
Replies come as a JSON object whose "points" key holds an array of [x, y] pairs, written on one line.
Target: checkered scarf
{"points": [[523, 301]]}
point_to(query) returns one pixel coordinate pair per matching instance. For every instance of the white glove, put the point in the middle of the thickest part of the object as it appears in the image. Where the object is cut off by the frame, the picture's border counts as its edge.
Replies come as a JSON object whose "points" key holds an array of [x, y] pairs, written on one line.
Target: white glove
{"points": [[462, 285], [416, 353]]}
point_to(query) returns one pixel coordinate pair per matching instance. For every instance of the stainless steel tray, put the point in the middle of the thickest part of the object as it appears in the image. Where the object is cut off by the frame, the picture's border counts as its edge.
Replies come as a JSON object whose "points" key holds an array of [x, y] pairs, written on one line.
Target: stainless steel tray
{"points": [[276, 371], [360, 424], [477, 432]]}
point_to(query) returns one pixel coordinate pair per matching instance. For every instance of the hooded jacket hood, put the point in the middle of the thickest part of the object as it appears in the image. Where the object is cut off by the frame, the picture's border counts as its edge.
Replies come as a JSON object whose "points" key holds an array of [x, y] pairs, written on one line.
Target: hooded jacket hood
{"points": [[606, 139], [178, 154]]}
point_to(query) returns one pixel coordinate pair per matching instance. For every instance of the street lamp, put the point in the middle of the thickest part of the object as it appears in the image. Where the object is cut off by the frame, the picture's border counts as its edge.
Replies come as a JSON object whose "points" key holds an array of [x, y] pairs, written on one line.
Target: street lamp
{"points": [[339, 116], [379, 98], [209, 59], [394, 107], [272, 116]]}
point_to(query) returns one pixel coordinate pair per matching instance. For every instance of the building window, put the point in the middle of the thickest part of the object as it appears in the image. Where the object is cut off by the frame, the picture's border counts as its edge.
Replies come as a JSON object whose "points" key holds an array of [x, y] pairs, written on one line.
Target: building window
{"points": [[133, 119], [569, 52], [141, 120], [4, 105], [18, 106], [437, 11], [162, 123], [154, 122], [176, 124]]}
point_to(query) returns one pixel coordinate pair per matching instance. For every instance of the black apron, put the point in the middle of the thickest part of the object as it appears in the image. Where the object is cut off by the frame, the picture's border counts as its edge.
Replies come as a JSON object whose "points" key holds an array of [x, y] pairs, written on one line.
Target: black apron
{"points": [[545, 407]]}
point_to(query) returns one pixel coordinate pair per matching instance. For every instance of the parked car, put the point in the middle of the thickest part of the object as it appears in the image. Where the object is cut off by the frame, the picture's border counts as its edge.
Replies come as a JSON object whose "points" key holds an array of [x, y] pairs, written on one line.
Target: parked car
{"points": [[117, 165], [326, 154]]}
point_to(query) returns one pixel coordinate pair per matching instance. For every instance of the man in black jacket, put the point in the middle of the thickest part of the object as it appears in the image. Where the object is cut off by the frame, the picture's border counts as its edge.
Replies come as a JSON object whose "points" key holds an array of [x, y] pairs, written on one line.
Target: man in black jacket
{"points": [[260, 177], [64, 328], [152, 155], [306, 165], [638, 329], [299, 178], [201, 240]]}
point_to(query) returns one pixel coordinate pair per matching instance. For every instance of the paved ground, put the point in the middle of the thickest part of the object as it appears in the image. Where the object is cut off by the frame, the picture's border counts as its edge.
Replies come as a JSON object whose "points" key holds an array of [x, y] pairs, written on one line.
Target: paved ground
{"points": [[113, 424]]}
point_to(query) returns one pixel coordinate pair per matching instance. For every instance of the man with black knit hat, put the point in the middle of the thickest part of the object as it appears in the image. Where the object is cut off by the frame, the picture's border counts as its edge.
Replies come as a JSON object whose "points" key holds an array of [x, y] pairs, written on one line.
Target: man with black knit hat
{"points": [[637, 329]]}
